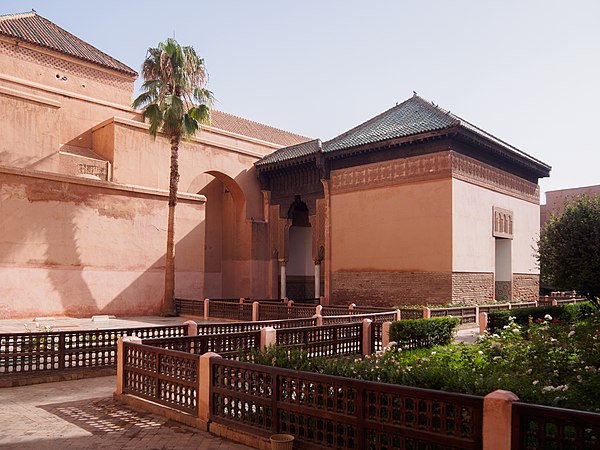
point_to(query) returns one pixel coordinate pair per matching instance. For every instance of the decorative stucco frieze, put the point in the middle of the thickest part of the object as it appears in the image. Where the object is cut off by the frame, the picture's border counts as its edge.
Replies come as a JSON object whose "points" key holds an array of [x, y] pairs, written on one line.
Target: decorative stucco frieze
{"points": [[429, 167], [387, 173], [475, 172]]}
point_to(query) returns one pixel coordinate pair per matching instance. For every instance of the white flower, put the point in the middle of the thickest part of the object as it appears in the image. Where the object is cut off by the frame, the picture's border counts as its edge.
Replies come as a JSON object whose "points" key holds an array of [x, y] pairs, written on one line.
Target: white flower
{"points": [[571, 333], [535, 382], [548, 317]]}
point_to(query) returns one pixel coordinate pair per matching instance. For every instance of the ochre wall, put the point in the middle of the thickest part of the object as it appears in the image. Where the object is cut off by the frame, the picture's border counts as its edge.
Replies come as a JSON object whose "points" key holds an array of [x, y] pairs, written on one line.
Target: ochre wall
{"points": [[392, 241], [77, 247]]}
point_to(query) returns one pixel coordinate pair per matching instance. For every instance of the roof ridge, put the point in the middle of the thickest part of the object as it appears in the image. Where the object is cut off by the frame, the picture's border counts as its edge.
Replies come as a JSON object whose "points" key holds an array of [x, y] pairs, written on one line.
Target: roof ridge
{"points": [[15, 15], [261, 124], [367, 122], [436, 108]]}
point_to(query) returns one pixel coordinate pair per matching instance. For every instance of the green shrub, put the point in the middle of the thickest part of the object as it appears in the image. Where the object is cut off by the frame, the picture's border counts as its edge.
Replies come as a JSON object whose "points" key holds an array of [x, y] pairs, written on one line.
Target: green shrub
{"points": [[423, 333], [525, 316]]}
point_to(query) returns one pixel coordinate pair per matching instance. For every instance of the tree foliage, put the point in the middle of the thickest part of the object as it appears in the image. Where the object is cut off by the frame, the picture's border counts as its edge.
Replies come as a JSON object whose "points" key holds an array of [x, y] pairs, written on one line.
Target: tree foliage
{"points": [[174, 99], [569, 249]]}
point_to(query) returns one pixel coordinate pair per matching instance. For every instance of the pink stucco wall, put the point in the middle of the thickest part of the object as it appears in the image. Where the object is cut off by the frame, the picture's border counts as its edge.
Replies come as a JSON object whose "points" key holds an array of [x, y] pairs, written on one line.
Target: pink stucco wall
{"points": [[78, 247]]}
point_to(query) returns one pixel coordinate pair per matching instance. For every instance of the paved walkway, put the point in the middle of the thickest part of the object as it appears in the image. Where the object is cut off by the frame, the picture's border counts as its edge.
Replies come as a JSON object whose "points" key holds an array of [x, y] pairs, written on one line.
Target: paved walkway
{"points": [[82, 415], [96, 323]]}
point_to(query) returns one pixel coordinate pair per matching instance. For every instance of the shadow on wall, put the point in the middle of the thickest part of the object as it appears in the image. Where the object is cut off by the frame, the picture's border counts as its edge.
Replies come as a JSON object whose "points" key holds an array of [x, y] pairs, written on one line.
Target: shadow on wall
{"points": [[144, 295], [76, 250], [39, 241]]}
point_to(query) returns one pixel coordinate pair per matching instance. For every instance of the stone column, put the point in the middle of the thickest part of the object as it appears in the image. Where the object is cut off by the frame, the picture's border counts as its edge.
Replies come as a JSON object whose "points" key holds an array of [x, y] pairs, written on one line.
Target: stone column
{"points": [[317, 278], [282, 263]]}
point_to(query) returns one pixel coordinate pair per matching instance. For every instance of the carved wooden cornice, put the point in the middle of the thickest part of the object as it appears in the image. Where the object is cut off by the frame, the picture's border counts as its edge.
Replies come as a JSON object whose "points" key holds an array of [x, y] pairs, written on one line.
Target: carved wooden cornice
{"points": [[431, 167]]}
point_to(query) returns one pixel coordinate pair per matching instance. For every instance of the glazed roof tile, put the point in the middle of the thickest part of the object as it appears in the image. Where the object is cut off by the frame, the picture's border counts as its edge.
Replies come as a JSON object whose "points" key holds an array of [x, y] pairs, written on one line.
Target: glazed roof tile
{"points": [[34, 29], [412, 117], [293, 152], [245, 127]]}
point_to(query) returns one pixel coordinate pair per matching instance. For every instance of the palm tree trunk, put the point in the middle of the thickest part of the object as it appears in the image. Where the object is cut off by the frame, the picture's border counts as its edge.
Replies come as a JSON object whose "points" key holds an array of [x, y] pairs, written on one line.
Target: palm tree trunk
{"points": [[168, 304]]}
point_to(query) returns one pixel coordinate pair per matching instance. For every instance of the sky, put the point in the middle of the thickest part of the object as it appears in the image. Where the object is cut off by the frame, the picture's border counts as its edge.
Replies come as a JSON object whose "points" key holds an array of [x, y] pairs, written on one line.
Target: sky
{"points": [[526, 71]]}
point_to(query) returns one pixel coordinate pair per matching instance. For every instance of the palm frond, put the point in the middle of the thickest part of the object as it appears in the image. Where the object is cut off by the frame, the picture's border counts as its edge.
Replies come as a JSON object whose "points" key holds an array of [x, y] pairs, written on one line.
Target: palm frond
{"points": [[174, 98]]}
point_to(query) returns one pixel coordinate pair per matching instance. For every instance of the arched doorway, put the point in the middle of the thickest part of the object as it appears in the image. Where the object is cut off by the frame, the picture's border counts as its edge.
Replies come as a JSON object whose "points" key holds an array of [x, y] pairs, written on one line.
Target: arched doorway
{"points": [[224, 269], [300, 271]]}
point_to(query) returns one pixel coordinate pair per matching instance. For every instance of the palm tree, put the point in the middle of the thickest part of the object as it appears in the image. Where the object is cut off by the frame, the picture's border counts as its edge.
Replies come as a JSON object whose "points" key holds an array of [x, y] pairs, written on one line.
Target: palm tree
{"points": [[175, 102]]}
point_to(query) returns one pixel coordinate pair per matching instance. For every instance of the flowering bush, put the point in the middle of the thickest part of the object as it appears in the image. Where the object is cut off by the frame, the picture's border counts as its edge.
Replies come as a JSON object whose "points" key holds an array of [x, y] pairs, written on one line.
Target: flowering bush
{"points": [[548, 363]]}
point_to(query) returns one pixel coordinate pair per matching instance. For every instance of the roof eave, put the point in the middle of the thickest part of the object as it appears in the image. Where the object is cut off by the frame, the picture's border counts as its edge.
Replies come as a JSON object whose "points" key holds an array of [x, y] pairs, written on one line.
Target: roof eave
{"points": [[387, 143], [285, 164], [537, 167]]}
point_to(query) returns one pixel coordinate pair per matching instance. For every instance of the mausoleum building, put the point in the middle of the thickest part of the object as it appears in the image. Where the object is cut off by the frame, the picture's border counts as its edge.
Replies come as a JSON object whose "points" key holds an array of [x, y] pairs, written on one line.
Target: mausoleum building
{"points": [[414, 206]]}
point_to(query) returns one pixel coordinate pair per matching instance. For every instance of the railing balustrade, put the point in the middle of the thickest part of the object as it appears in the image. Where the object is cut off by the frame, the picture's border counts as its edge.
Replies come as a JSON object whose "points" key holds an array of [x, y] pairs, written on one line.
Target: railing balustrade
{"points": [[45, 352], [544, 427], [344, 413], [163, 376], [329, 340]]}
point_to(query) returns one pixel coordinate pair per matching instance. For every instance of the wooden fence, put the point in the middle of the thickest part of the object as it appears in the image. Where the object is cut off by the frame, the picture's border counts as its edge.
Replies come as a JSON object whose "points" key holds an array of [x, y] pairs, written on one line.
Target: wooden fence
{"points": [[39, 354], [544, 427], [324, 411]]}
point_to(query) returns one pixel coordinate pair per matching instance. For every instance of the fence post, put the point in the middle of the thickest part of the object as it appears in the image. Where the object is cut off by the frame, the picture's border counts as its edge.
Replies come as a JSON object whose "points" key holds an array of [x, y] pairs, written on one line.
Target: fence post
{"points": [[204, 382], [206, 309], [268, 337], [398, 315], [192, 327], [367, 337], [255, 311], [290, 303], [385, 334], [497, 420], [241, 300], [351, 306], [319, 318], [483, 322], [319, 310], [509, 305], [426, 313], [554, 302], [477, 314], [121, 359]]}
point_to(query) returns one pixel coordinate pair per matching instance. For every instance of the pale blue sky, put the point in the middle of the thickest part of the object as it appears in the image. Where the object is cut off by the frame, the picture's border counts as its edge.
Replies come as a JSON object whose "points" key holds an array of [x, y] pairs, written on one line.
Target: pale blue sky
{"points": [[525, 71]]}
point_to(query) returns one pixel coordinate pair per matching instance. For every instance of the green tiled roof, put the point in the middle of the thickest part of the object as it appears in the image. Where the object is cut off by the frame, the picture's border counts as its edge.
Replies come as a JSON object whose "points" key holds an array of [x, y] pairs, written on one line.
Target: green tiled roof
{"points": [[34, 29], [414, 116]]}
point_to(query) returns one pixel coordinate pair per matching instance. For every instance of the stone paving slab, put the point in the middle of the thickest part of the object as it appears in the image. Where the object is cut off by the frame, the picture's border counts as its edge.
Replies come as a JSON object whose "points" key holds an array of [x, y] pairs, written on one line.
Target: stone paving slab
{"points": [[82, 415], [72, 323]]}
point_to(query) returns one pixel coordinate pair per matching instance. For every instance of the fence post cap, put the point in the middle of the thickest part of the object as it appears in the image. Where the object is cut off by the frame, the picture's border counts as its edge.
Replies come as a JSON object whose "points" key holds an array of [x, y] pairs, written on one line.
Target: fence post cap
{"points": [[132, 338], [209, 355], [189, 322], [501, 394]]}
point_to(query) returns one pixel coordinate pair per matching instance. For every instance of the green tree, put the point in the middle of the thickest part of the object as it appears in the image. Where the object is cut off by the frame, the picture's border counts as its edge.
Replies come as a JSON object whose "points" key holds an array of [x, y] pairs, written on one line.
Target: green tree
{"points": [[175, 102], [569, 249]]}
